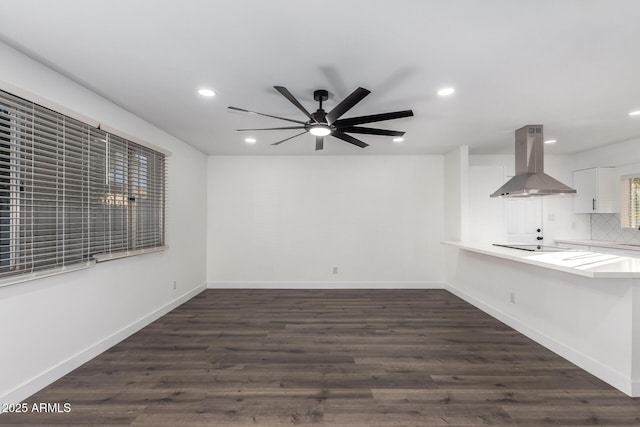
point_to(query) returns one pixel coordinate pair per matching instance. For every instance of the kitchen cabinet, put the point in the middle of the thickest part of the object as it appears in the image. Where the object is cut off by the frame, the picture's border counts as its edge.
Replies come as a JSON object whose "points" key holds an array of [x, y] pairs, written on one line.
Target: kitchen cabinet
{"points": [[572, 246], [600, 248], [615, 251], [605, 250], [635, 254], [597, 190]]}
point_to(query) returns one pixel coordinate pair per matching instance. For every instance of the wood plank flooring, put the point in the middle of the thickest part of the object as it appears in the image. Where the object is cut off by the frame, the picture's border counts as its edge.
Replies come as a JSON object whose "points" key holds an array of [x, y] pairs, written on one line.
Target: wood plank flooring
{"points": [[330, 357]]}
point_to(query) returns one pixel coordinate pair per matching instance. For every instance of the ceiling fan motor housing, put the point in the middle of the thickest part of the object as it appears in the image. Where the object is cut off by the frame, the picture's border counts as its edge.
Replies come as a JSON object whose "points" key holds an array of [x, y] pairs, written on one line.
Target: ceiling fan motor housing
{"points": [[319, 116]]}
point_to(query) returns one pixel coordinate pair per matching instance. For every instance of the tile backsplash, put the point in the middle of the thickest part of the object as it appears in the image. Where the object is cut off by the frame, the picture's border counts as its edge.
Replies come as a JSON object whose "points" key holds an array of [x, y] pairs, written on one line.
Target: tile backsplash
{"points": [[607, 227]]}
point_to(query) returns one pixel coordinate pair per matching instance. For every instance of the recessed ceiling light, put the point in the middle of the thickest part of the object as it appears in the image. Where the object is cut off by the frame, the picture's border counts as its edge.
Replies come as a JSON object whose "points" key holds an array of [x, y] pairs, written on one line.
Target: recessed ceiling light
{"points": [[206, 92], [635, 113], [550, 141], [446, 91], [250, 140], [399, 139]]}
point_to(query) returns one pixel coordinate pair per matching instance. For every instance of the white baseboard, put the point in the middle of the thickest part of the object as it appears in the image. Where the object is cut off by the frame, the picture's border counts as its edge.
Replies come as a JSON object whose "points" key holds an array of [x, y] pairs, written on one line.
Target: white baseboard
{"points": [[325, 285], [56, 372], [605, 373]]}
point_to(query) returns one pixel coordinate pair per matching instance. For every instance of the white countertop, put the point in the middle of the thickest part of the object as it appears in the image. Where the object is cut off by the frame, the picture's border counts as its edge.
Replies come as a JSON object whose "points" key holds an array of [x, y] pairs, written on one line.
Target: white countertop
{"points": [[583, 263], [601, 244]]}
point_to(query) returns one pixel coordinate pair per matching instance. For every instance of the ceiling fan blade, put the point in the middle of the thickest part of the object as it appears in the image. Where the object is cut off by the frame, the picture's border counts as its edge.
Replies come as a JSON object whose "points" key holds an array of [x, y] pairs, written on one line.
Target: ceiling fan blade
{"points": [[286, 139], [372, 131], [319, 142], [285, 92], [347, 104], [287, 127], [266, 115], [352, 121], [349, 139]]}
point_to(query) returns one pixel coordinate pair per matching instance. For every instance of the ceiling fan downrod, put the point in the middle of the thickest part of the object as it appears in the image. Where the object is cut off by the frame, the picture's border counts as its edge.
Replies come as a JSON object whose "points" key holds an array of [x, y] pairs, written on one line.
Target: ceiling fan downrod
{"points": [[320, 95]]}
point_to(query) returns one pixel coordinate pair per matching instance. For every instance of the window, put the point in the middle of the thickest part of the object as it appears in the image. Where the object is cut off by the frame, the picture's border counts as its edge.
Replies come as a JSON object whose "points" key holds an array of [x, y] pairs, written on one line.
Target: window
{"points": [[70, 193], [630, 202]]}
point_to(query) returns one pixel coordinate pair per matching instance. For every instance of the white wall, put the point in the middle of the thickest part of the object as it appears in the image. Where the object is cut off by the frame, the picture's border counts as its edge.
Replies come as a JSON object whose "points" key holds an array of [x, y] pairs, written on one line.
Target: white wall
{"points": [[456, 194], [486, 214], [589, 321], [622, 154], [558, 219], [52, 325], [288, 220]]}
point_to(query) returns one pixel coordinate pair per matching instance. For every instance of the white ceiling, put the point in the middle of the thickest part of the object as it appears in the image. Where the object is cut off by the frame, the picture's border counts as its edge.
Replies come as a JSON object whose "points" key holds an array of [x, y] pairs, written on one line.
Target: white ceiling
{"points": [[571, 65]]}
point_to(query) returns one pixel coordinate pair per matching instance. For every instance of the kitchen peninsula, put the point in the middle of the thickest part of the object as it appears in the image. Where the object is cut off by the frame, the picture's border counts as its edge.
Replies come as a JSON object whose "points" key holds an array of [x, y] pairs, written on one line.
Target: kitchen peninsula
{"points": [[584, 306]]}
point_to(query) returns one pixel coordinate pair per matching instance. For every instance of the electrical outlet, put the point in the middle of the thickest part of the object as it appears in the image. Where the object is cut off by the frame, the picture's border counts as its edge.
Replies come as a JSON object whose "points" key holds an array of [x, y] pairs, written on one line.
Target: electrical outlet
{"points": [[512, 297], [335, 270], [175, 284]]}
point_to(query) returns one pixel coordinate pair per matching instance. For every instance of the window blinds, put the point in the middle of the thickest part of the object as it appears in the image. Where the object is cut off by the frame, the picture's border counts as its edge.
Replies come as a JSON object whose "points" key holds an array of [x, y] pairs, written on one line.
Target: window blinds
{"points": [[630, 202], [69, 191]]}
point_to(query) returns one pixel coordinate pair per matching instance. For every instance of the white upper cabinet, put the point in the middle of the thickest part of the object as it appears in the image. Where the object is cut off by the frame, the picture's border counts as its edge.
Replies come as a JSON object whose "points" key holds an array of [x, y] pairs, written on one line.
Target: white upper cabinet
{"points": [[597, 190]]}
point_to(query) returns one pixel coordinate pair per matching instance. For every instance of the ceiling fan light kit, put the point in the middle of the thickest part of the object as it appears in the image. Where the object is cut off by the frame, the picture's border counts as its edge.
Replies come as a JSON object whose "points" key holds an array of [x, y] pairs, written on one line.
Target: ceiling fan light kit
{"points": [[321, 123], [319, 130]]}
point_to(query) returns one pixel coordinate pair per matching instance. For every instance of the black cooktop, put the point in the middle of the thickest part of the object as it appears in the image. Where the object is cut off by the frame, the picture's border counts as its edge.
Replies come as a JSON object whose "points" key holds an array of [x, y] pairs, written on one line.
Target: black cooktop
{"points": [[531, 248]]}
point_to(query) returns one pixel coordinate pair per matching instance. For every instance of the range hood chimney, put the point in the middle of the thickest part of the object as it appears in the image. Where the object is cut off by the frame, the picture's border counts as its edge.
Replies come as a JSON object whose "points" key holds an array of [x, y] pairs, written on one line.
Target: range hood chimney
{"points": [[530, 179]]}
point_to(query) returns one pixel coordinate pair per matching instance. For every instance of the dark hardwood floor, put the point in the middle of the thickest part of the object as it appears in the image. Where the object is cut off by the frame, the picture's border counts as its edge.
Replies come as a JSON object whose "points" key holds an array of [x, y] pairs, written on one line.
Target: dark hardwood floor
{"points": [[332, 357]]}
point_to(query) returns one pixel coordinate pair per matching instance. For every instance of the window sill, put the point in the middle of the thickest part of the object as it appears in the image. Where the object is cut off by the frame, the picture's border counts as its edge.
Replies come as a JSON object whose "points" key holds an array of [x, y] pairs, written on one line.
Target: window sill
{"points": [[125, 254], [26, 277]]}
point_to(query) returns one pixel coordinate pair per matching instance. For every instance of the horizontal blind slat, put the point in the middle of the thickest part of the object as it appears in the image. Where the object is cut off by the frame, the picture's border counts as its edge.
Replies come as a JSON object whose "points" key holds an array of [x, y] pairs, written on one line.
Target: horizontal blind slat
{"points": [[69, 191]]}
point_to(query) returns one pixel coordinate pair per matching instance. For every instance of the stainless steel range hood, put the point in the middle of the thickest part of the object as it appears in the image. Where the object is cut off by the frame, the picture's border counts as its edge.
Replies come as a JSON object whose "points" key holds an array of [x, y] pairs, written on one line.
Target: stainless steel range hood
{"points": [[530, 179]]}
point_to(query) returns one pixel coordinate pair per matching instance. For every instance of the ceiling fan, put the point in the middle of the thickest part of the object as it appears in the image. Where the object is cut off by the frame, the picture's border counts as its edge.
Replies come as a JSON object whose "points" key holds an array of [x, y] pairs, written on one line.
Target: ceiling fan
{"points": [[321, 123]]}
